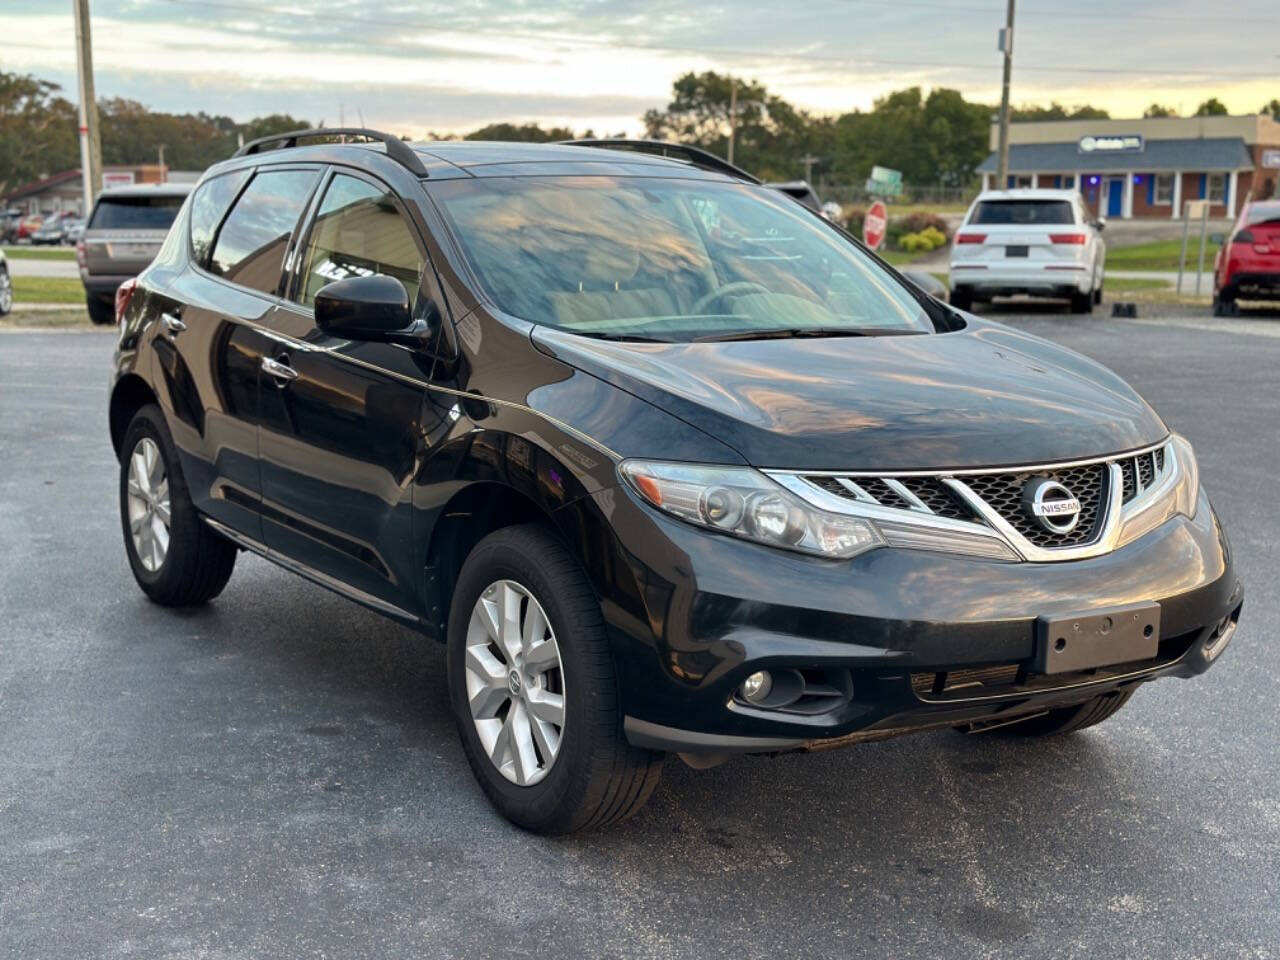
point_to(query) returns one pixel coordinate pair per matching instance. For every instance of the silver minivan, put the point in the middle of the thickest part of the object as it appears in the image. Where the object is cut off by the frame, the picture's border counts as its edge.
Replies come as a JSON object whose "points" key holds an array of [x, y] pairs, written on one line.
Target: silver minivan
{"points": [[122, 237]]}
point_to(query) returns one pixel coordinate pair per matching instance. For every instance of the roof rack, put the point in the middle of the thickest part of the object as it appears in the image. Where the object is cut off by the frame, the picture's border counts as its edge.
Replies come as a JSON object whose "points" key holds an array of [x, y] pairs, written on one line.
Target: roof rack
{"points": [[396, 148], [695, 156]]}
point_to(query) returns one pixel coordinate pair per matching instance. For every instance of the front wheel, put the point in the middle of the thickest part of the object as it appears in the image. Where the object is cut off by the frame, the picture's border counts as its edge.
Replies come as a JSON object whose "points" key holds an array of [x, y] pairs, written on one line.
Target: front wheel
{"points": [[534, 691], [6, 292], [176, 558]]}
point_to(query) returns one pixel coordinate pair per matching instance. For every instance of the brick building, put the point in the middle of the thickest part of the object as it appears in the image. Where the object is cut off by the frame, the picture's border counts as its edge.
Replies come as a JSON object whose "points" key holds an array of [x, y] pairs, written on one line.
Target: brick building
{"points": [[64, 192], [1147, 167]]}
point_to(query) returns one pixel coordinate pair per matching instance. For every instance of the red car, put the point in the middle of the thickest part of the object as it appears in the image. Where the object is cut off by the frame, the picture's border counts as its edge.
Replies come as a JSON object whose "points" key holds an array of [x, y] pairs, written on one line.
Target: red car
{"points": [[1248, 265]]}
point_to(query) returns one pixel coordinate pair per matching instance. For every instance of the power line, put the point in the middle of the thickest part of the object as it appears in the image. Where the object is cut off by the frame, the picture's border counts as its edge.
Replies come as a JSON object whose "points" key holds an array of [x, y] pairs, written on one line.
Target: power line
{"points": [[793, 57], [1110, 13]]}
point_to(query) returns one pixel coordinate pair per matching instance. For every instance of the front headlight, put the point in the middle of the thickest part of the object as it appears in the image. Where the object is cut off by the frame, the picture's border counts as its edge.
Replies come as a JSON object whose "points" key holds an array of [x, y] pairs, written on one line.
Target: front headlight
{"points": [[1176, 493], [744, 503]]}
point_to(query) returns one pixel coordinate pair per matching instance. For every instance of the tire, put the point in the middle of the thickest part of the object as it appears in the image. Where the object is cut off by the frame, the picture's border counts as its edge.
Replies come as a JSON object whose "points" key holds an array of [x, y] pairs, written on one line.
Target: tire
{"points": [[1068, 719], [196, 562], [962, 298], [6, 292], [1097, 292], [1225, 307], [101, 313], [595, 777], [1082, 303]]}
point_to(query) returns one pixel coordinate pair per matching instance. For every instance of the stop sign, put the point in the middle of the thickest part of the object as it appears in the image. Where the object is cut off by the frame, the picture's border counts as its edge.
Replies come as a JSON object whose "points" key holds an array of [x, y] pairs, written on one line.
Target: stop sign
{"points": [[874, 224]]}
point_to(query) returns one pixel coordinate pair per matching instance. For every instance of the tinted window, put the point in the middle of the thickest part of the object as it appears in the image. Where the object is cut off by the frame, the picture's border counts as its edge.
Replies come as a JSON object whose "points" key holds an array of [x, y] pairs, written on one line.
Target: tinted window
{"points": [[1003, 212], [1262, 213], [667, 259], [358, 231], [135, 212], [251, 244], [207, 207]]}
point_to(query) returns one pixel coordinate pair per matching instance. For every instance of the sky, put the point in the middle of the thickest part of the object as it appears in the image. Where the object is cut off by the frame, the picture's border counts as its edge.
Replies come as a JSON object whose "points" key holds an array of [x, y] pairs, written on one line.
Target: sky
{"points": [[440, 67]]}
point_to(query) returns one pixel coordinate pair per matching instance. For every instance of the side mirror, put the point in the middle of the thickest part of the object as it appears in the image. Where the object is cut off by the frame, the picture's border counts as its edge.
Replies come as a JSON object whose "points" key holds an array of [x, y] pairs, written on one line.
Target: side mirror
{"points": [[1217, 239], [374, 308], [1099, 224]]}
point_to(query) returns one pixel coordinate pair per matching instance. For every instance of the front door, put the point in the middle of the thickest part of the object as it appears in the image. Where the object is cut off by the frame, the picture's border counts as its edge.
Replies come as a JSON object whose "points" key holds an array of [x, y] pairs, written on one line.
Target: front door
{"points": [[342, 422], [1115, 196]]}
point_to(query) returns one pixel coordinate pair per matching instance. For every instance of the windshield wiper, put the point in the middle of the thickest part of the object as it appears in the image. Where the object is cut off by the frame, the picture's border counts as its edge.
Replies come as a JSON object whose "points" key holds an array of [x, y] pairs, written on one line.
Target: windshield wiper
{"points": [[622, 337], [796, 333]]}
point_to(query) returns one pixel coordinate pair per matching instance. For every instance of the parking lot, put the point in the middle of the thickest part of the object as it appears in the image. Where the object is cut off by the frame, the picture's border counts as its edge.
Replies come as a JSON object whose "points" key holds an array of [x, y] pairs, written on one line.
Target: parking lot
{"points": [[278, 774]]}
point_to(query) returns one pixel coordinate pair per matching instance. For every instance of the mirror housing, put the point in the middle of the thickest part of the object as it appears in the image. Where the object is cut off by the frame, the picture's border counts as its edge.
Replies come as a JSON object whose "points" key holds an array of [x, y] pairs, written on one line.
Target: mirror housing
{"points": [[373, 308], [1098, 223]]}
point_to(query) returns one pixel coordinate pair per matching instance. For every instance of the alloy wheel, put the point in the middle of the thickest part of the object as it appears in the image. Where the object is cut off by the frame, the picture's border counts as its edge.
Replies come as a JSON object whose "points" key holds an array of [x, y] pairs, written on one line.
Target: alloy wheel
{"points": [[148, 504], [515, 682], [6, 292]]}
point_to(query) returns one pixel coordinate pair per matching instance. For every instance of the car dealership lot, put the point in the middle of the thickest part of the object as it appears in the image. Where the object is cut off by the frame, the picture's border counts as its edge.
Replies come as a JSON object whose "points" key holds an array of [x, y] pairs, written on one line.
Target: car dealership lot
{"points": [[278, 774]]}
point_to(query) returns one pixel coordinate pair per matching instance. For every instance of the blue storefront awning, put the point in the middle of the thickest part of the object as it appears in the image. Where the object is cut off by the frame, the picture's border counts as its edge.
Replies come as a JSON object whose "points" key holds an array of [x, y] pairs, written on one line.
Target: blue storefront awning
{"points": [[1192, 155]]}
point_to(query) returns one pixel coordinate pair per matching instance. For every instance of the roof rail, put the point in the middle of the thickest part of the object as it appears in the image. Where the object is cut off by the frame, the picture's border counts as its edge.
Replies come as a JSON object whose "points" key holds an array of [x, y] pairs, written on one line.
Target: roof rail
{"points": [[694, 156], [396, 148]]}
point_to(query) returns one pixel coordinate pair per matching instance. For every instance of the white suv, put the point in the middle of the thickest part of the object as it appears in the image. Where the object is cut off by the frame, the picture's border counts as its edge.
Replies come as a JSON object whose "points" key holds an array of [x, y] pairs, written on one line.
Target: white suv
{"points": [[1038, 242]]}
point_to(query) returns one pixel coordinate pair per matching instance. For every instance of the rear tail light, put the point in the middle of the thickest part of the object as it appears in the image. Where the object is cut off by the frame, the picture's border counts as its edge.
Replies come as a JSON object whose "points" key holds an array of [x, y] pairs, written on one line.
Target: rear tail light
{"points": [[1244, 236], [124, 293], [1077, 238], [971, 238], [80, 254]]}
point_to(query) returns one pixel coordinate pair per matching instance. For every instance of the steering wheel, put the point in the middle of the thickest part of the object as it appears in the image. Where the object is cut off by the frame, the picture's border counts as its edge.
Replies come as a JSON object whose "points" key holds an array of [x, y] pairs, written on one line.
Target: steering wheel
{"points": [[739, 288]]}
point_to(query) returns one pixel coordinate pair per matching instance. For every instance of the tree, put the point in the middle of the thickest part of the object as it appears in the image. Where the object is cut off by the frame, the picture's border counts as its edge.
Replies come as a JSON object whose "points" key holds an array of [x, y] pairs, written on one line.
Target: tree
{"points": [[38, 130], [1159, 110], [1272, 108], [1213, 107], [525, 133], [1056, 111]]}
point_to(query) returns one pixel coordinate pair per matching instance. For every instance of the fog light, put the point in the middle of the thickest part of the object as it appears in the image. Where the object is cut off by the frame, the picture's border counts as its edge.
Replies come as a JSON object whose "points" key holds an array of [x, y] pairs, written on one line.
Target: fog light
{"points": [[757, 686]]}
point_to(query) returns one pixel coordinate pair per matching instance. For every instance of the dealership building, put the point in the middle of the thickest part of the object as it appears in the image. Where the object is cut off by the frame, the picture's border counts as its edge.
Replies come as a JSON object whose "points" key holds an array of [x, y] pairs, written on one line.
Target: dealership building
{"points": [[1148, 167]]}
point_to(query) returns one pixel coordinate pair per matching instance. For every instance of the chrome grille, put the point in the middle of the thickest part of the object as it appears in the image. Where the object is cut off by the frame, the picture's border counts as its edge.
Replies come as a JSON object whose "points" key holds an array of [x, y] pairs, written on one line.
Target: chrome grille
{"points": [[1140, 471], [1003, 493]]}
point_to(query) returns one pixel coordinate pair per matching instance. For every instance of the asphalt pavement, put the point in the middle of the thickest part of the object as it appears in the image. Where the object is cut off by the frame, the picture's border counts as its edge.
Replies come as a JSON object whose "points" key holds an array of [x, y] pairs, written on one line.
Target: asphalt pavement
{"points": [[277, 775]]}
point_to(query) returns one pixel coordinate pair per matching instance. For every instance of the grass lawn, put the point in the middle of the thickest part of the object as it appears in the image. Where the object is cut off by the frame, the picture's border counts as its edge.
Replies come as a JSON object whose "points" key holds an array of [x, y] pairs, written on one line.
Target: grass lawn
{"points": [[900, 258], [68, 319], [902, 209], [1161, 255], [40, 253], [47, 290]]}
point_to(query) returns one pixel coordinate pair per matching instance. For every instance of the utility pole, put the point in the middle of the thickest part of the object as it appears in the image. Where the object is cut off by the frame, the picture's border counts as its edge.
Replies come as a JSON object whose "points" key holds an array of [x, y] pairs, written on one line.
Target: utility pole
{"points": [[90, 138], [1006, 46], [733, 113], [164, 171], [809, 160]]}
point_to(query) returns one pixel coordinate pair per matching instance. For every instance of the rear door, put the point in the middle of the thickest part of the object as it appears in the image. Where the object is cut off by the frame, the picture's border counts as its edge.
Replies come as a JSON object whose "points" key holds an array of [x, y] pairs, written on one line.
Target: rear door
{"points": [[125, 232], [210, 344], [342, 427]]}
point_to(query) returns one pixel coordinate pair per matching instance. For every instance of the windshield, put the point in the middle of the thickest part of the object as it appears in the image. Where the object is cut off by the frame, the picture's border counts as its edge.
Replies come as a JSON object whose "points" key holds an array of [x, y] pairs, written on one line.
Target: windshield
{"points": [[135, 212], [1033, 212], [669, 259]]}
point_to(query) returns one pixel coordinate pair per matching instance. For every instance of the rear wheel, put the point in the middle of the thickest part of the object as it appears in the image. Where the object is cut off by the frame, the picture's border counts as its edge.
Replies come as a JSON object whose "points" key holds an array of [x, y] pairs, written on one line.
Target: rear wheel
{"points": [[1068, 719], [176, 558], [962, 298], [1082, 303], [534, 692], [6, 292], [101, 313], [1225, 307]]}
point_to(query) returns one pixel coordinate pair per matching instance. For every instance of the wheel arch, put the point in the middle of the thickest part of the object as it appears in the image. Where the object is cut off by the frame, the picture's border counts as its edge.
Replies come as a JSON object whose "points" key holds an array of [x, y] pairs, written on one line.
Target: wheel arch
{"points": [[130, 394]]}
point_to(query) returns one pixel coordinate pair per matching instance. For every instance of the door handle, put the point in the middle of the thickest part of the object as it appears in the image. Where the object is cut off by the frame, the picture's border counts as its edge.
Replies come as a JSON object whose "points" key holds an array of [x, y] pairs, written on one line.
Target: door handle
{"points": [[172, 323], [281, 371]]}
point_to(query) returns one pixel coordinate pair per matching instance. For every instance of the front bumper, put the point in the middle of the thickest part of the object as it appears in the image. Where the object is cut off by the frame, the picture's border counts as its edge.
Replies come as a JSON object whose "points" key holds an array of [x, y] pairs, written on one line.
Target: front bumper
{"points": [[691, 614]]}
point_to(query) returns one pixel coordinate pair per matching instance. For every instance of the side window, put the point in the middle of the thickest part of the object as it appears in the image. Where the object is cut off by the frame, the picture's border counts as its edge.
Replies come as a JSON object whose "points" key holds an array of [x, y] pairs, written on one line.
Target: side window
{"points": [[251, 244], [358, 231], [207, 207]]}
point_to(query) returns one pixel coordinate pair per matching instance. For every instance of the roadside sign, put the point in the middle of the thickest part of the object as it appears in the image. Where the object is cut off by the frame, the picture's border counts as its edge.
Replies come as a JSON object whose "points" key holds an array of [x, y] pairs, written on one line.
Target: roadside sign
{"points": [[884, 182], [874, 224]]}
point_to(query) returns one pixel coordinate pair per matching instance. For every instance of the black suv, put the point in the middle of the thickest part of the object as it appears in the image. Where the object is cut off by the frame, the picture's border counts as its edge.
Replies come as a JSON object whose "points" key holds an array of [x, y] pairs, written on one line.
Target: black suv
{"points": [[670, 463]]}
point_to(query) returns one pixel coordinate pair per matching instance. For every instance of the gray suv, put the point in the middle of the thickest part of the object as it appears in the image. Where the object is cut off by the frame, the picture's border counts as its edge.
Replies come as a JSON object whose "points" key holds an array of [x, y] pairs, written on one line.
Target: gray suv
{"points": [[122, 237]]}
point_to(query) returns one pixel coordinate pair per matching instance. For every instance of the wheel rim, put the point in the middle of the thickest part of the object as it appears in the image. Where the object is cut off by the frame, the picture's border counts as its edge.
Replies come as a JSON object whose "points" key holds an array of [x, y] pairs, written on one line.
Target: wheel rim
{"points": [[515, 682], [6, 292], [148, 505]]}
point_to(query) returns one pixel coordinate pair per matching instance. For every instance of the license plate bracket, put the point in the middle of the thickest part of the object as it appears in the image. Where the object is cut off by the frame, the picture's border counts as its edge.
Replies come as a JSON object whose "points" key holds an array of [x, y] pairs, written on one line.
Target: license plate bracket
{"points": [[1097, 639], [1017, 250]]}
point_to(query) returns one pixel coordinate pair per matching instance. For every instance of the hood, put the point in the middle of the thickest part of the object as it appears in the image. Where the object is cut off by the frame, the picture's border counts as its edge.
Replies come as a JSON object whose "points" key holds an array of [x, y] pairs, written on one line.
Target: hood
{"points": [[986, 396]]}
